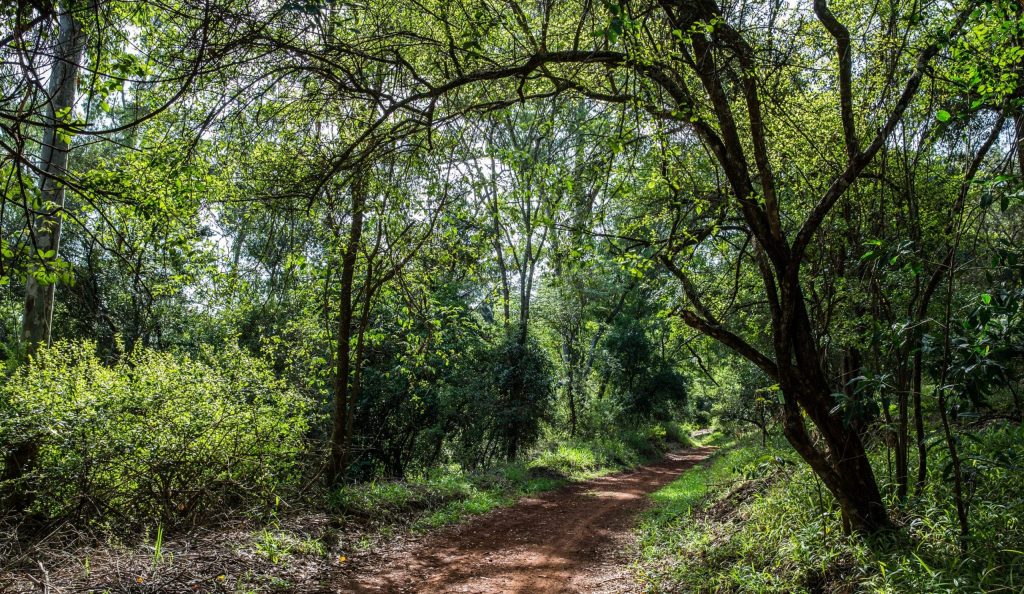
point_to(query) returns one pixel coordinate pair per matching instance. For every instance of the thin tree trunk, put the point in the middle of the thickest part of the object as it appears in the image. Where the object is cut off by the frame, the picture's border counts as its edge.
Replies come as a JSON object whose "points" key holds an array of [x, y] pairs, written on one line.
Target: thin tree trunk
{"points": [[340, 439], [947, 359], [922, 448], [1018, 124], [53, 163], [572, 404], [933, 283], [45, 228], [902, 436], [357, 375], [499, 252]]}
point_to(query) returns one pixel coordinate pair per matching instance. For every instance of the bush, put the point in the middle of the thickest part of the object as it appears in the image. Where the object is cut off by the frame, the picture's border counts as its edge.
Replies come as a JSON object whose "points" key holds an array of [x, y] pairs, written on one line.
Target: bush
{"points": [[581, 458], [155, 437], [677, 434], [524, 385]]}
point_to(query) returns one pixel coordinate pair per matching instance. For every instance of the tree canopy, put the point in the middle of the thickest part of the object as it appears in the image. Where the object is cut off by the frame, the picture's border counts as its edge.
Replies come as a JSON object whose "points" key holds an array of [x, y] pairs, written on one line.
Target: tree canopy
{"points": [[448, 229]]}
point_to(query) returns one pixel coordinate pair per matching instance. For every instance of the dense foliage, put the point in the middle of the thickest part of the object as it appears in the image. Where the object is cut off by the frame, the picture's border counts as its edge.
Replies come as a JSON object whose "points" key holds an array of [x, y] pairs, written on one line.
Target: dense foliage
{"points": [[255, 252], [157, 437]]}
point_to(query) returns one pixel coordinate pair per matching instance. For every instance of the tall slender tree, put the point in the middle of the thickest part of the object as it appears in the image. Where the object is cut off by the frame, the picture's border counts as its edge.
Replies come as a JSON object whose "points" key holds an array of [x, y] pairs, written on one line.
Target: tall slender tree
{"points": [[45, 225]]}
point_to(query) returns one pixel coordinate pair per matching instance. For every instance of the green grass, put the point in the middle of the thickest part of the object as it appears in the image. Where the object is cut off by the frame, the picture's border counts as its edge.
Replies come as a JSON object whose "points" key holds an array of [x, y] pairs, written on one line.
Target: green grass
{"points": [[450, 494], [780, 531], [478, 503], [573, 460], [694, 486]]}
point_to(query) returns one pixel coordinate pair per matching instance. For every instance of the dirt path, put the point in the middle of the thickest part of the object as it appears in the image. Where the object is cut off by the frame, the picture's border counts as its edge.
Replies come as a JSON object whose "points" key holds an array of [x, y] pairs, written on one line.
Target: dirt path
{"points": [[572, 540]]}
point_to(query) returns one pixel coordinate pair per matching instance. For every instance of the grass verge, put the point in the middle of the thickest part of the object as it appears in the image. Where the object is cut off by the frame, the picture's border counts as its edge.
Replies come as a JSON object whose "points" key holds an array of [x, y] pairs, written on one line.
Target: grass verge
{"points": [[450, 494], [754, 519]]}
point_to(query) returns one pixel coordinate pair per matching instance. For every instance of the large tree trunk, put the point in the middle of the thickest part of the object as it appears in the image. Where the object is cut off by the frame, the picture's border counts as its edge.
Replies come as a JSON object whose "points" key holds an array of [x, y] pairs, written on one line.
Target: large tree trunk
{"points": [[843, 466], [844, 469]]}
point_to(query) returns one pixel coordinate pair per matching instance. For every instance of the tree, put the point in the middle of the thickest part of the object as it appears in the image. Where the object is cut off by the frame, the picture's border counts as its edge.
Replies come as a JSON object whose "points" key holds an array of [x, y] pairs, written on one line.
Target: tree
{"points": [[45, 226], [699, 67]]}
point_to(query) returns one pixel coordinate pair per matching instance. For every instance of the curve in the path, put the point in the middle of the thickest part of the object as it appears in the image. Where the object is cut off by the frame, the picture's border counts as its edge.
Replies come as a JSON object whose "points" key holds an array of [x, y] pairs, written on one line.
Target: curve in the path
{"points": [[572, 540]]}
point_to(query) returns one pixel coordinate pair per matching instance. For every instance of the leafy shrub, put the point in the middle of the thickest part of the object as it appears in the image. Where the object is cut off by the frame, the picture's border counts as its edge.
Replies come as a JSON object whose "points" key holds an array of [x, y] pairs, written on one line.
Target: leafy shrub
{"points": [[155, 437], [647, 387], [599, 415], [584, 458], [524, 385], [677, 434], [647, 444]]}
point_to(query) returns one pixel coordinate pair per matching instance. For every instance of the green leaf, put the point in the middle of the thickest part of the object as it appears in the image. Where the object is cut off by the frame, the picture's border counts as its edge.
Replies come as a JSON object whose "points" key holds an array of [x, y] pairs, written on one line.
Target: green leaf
{"points": [[942, 115]]}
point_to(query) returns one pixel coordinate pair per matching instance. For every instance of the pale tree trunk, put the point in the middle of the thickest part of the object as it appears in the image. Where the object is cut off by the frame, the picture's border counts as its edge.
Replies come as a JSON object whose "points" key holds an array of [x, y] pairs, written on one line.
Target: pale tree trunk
{"points": [[53, 163], [45, 229]]}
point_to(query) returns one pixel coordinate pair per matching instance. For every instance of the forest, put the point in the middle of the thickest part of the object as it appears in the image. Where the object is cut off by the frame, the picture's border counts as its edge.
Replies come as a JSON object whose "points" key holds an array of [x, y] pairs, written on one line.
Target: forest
{"points": [[511, 296]]}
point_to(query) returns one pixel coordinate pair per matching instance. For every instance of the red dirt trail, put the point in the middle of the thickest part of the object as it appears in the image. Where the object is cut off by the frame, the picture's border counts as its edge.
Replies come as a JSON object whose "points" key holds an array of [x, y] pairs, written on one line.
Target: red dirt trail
{"points": [[572, 540]]}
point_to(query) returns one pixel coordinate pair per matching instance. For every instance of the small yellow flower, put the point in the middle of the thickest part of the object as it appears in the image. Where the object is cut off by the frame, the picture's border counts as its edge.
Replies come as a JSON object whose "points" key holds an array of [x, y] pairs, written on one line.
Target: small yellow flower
{"points": [[221, 577], [140, 580], [342, 558]]}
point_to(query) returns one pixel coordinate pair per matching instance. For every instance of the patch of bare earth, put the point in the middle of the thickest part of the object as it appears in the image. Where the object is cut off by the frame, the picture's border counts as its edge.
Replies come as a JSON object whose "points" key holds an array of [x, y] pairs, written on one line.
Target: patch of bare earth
{"points": [[225, 559], [572, 540]]}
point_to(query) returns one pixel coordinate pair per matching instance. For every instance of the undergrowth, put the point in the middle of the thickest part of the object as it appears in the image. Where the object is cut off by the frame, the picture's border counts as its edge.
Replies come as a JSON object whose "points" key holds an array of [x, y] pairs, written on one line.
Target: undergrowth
{"points": [[278, 550], [158, 437], [756, 520], [449, 494]]}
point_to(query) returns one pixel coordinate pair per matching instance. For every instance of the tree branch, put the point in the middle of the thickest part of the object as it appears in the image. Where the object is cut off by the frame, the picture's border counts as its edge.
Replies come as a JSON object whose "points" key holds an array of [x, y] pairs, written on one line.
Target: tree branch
{"points": [[842, 37]]}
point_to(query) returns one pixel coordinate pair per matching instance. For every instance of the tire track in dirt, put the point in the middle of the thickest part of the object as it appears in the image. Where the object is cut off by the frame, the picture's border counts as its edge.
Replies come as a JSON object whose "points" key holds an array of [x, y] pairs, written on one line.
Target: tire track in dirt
{"points": [[573, 540]]}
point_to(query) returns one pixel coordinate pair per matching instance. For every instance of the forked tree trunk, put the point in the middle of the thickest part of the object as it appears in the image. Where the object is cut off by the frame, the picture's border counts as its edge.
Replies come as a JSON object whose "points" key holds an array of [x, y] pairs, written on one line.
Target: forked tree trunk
{"points": [[718, 60]]}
